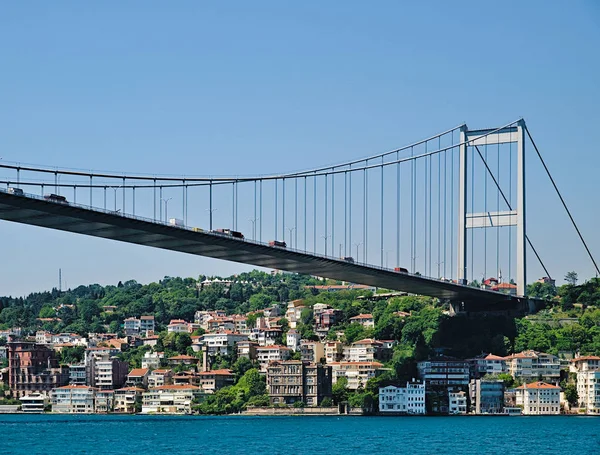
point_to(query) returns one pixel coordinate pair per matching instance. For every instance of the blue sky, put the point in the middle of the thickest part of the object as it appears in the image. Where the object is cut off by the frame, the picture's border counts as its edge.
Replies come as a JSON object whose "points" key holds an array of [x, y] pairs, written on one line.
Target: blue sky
{"points": [[262, 87]]}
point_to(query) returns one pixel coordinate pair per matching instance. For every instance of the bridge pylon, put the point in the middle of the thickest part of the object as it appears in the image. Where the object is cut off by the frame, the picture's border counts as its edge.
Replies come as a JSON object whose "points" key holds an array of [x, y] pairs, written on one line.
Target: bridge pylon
{"points": [[470, 140]]}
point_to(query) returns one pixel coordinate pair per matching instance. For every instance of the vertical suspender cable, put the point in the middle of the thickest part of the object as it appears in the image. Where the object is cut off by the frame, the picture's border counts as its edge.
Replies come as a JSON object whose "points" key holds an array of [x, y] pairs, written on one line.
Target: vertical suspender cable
{"points": [[296, 213], [325, 211], [315, 213], [439, 206], [276, 204], [381, 219], [260, 215], [397, 211], [333, 214], [445, 207], [452, 210], [346, 213], [91, 205], [305, 213], [485, 210], [283, 211]]}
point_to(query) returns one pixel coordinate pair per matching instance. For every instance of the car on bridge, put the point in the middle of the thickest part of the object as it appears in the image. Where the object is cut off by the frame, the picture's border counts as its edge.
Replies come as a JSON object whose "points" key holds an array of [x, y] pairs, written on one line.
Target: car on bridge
{"points": [[400, 270], [197, 229], [278, 243], [349, 259], [230, 233], [56, 198], [16, 191]]}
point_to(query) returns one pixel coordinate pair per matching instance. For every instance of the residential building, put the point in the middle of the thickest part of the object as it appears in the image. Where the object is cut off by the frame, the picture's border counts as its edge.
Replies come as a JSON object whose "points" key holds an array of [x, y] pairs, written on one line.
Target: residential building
{"points": [[318, 308], [138, 377], [533, 365], [406, 400], [170, 399], [266, 354], [152, 360], [357, 373], [222, 343], [34, 403], [312, 351], [77, 374], [333, 351], [587, 369], [457, 402], [538, 398], [159, 378], [487, 364], [507, 288], [293, 338], [294, 380], [294, 313], [266, 336], [487, 396], [104, 401], [365, 320], [326, 319], [444, 371], [213, 380], [584, 363], [183, 360], [367, 350], [73, 399], [34, 368], [247, 349], [128, 400], [131, 326], [147, 324], [588, 391], [178, 326], [104, 371]]}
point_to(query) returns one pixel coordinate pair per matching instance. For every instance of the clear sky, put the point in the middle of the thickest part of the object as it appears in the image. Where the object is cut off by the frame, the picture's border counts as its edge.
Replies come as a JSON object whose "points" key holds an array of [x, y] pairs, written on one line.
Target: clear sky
{"points": [[261, 87]]}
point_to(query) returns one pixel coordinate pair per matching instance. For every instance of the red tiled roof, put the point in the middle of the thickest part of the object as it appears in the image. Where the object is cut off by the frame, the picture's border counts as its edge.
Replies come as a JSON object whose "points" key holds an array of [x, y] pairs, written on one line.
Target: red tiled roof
{"points": [[183, 357], [493, 357], [176, 387], [363, 316], [586, 357], [130, 389], [138, 372], [216, 372], [373, 364], [538, 385], [76, 387]]}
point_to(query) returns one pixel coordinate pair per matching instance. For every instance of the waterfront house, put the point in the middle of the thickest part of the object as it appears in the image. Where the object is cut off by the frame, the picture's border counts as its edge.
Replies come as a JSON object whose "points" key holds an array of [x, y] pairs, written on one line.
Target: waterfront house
{"points": [[457, 402], [294, 381], [138, 377], [128, 400], [73, 399], [170, 399], [538, 398], [405, 400], [357, 373], [34, 403]]}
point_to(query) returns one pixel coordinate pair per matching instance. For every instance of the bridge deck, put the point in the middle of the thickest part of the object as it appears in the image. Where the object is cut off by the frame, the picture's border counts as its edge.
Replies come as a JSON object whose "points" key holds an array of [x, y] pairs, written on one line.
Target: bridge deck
{"points": [[94, 222]]}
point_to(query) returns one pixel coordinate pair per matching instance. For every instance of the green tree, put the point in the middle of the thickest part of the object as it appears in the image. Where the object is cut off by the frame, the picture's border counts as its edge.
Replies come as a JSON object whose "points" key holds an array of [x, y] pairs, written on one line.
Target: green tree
{"points": [[354, 332], [571, 394], [339, 391], [571, 278]]}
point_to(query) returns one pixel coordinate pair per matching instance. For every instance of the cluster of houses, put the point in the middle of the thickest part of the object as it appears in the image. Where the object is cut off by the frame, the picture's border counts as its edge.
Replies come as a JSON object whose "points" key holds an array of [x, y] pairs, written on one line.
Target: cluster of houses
{"points": [[296, 369], [453, 386]]}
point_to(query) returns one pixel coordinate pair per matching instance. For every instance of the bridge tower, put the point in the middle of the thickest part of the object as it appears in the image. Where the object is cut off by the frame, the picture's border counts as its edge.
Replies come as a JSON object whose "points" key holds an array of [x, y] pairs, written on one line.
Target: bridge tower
{"points": [[513, 217]]}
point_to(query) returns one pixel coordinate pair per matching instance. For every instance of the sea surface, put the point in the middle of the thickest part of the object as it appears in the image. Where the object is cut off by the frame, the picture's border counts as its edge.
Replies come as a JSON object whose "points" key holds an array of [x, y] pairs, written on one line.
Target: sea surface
{"points": [[306, 435]]}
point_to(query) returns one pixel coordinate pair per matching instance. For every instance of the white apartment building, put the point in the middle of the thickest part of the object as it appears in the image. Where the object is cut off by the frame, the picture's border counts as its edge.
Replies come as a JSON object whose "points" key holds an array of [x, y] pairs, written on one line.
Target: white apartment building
{"points": [[365, 320], [531, 365], [409, 399], [366, 350], [588, 383], [169, 399], [266, 354], [73, 399], [294, 313], [222, 343], [34, 403], [457, 402], [158, 378], [178, 326], [357, 373], [538, 398], [293, 339], [152, 360], [488, 364]]}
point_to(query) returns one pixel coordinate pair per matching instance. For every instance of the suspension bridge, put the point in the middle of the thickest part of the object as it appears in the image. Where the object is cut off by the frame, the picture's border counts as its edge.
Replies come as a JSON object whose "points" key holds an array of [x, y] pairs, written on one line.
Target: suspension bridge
{"points": [[429, 218]]}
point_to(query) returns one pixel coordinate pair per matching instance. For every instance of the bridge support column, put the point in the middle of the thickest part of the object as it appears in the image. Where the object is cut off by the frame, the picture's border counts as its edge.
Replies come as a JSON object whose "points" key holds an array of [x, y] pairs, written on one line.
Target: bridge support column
{"points": [[521, 219], [462, 207]]}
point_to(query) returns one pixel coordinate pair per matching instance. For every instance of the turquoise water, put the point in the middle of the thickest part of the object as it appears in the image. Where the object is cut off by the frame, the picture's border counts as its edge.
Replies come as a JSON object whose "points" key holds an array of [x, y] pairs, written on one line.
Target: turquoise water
{"points": [[59, 434]]}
